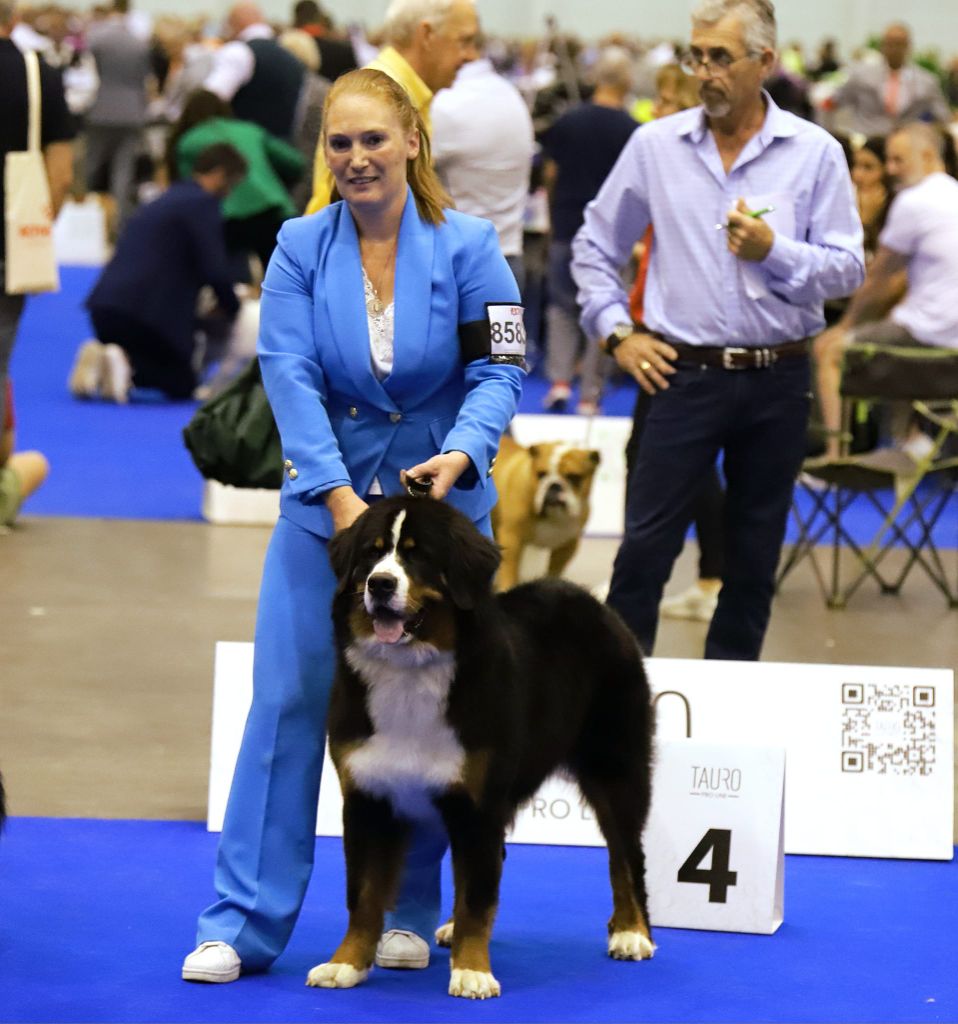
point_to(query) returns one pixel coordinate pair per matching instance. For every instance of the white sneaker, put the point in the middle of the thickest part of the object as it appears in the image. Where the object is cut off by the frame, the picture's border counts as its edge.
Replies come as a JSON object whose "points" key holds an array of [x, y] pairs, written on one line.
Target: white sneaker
{"points": [[917, 447], [695, 604], [84, 379], [215, 962], [116, 375], [403, 950], [557, 397]]}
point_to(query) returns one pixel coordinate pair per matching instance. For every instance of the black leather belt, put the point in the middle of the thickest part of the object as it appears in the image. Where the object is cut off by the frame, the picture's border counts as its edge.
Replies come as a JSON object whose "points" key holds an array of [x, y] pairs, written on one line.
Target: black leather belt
{"points": [[740, 358]]}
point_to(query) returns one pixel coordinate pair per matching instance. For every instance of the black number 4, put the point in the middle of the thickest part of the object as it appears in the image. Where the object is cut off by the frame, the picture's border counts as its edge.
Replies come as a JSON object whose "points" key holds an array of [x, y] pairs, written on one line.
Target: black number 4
{"points": [[718, 877]]}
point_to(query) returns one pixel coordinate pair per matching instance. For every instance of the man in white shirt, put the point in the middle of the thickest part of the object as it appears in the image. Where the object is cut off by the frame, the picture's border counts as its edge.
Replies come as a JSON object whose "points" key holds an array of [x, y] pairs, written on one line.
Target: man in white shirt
{"points": [[255, 74], [920, 238], [482, 145]]}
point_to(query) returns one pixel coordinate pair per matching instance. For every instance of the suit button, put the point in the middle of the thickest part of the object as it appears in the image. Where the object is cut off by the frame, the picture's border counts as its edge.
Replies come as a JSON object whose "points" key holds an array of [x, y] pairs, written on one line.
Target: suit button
{"points": [[395, 417], [353, 411], [287, 464], [293, 473]]}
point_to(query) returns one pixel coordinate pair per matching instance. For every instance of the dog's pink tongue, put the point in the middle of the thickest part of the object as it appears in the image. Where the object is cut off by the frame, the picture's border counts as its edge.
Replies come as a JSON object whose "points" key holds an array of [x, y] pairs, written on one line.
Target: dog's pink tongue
{"points": [[388, 631]]}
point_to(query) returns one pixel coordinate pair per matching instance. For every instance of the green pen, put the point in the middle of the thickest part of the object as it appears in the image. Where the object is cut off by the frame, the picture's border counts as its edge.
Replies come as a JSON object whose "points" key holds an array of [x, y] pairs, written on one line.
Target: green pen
{"points": [[753, 213]]}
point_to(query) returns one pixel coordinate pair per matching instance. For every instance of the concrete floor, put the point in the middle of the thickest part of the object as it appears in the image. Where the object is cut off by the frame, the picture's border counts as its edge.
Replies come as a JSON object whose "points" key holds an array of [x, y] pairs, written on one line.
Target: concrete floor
{"points": [[107, 630]]}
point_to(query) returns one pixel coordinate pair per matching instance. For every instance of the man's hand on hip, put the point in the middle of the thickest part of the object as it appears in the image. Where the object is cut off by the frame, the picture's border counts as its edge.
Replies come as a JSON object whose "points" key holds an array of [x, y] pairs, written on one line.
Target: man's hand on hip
{"points": [[647, 359]]}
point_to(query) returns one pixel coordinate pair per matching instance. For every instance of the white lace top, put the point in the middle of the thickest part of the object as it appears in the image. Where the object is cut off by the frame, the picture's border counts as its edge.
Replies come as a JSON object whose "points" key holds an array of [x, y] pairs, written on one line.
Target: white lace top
{"points": [[380, 331]]}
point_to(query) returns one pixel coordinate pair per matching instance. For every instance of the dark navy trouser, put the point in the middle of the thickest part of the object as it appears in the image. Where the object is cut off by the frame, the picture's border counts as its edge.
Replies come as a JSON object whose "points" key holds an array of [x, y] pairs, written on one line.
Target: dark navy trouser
{"points": [[757, 419]]}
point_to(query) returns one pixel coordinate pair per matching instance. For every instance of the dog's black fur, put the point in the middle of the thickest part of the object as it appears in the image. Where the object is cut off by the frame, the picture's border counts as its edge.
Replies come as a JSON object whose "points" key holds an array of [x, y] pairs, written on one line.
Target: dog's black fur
{"points": [[546, 678]]}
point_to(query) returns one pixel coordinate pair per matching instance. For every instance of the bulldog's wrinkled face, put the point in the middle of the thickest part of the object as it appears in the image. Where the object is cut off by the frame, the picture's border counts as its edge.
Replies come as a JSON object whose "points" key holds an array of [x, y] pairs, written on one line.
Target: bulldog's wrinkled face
{"points": [[563, 476]]}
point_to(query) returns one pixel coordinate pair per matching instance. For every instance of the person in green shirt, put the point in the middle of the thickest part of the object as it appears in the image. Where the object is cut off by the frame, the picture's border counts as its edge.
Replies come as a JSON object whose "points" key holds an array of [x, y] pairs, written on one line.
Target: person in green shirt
{"points": [[254, 211]]}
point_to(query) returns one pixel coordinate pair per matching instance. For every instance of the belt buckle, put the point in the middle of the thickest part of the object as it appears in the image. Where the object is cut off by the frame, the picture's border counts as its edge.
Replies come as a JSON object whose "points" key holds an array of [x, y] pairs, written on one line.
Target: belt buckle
{"points": [[728, 356]]}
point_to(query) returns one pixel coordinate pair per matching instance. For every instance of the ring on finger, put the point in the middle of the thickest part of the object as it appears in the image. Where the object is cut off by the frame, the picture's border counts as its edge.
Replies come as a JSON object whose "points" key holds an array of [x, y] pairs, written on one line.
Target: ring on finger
{"points": [[645, 365]]}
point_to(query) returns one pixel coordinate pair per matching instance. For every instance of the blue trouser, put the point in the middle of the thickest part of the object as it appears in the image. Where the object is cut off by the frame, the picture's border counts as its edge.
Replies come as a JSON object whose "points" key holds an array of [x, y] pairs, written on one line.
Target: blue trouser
{"points": [[758, 418], [265, 854]]}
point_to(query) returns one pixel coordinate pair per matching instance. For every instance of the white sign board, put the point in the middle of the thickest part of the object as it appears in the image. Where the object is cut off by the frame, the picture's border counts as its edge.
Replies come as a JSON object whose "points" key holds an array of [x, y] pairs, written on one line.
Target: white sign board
{"points": [[869, 749], [714, 840]]}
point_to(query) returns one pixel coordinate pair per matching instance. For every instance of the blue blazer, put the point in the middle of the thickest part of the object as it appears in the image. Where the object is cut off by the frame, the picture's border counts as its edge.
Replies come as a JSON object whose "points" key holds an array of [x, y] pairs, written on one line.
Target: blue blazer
{"points": [[338, 423]]}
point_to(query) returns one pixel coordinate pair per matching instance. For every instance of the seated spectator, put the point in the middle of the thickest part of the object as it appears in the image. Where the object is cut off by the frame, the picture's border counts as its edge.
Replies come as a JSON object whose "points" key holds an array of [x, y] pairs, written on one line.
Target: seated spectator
{"points": [[872, 189], [920, 237], [144, 305], [255, 210], [582, 145], [21, 473], [881, 95]]}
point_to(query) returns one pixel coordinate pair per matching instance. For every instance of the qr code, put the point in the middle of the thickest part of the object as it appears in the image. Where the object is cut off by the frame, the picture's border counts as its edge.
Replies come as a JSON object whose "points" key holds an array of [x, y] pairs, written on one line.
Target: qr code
{"points": [[888, 730]]}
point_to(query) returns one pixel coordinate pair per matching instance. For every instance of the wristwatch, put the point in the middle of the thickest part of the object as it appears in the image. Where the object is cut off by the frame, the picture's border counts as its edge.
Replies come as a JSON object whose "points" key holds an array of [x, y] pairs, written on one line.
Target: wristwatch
{"points": [[619, 333]]}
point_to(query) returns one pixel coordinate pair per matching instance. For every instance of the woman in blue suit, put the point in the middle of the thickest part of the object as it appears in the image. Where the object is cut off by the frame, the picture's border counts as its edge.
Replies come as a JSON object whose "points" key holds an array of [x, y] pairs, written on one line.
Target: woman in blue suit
{"points": [[390, 344]]}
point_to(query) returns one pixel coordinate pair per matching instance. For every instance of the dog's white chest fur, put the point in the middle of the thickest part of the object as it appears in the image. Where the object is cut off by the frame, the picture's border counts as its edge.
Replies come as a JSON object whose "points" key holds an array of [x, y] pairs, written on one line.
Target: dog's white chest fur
{"points": [[413, 753]]}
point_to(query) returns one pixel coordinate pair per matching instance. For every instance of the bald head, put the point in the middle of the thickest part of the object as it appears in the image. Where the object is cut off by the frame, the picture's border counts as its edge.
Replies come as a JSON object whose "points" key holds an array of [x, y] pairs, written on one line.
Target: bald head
{"points": [[896, 44], [242, 15], [912, 153]]}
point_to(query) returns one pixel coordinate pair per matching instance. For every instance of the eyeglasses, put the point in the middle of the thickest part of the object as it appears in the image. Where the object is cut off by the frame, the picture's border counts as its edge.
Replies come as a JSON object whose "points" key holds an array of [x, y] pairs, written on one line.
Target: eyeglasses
{"points": [[715, 64]]}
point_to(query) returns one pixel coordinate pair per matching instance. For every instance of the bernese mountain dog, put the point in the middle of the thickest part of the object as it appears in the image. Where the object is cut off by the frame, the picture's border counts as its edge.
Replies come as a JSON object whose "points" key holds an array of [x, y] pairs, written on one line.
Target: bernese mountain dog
{"points": [[454, 703]]}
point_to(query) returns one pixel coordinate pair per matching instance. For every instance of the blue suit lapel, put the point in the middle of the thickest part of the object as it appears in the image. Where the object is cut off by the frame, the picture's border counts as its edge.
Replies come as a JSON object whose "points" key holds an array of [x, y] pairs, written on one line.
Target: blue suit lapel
{"points": [[413, 299], [346, 310]]}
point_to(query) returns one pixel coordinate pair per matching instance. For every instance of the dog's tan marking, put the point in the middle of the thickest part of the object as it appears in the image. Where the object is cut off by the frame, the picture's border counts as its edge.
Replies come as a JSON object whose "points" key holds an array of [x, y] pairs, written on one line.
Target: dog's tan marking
{"points": [[474, 773], [470, 938], [379, 543], [444, 934], [438, 628], [408, 544]]}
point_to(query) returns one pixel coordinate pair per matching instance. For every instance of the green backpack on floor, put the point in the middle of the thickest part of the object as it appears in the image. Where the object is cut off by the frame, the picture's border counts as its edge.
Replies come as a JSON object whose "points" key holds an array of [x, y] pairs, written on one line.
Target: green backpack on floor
{"points": [[233, 437]]}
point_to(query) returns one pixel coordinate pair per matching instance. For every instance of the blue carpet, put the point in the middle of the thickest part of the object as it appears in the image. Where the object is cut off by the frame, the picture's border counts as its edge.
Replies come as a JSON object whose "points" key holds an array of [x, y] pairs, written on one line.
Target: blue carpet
{"points": [[95, 917], [129, 462]]}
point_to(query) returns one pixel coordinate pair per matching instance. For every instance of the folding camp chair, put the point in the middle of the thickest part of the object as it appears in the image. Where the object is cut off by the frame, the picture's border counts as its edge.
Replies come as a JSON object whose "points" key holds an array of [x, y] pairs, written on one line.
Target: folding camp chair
{"points": [[910, 495]]}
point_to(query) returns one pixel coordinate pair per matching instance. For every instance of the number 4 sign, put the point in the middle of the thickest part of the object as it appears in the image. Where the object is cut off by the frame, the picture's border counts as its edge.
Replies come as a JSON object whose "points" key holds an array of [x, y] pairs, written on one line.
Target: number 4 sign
{"points": [[714, 841]]}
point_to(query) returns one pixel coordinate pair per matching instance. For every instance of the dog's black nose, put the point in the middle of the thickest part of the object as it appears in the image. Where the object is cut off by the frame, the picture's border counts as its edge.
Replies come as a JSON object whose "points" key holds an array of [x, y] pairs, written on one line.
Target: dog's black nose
{"points": [[381, 584]]}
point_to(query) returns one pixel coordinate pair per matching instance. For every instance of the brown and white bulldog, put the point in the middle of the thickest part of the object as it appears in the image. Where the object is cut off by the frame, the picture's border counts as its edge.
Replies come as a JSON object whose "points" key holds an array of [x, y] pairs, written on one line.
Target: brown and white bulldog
{"points": [[543, 501]]}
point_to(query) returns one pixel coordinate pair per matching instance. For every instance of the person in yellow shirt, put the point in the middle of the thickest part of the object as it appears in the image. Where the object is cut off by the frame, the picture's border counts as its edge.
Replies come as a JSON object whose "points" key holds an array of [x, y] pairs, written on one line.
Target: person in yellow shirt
{"points": [[428, 41]]}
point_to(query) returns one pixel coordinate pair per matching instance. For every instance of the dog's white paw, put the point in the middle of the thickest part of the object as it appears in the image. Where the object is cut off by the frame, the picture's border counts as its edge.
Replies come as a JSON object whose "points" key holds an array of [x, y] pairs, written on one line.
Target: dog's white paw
{"points": [[336, 976], [630, 946], [473, 984], [444, 934]]}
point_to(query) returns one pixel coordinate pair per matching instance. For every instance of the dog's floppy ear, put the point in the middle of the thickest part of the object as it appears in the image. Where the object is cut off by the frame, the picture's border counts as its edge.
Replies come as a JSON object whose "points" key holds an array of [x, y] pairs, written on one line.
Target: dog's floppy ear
{"points": [[343, 549], [473, 561]]}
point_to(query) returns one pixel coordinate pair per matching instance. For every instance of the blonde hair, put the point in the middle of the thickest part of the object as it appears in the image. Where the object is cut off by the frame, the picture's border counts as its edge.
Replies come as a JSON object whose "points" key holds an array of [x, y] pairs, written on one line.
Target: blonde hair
{"points": [[685, 88], [431, 198], [302, 46]]}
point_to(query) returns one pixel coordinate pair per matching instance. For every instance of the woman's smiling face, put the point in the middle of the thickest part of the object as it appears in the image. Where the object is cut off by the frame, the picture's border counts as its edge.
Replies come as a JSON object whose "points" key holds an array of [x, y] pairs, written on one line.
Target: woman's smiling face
{"points": [[367, 150]]}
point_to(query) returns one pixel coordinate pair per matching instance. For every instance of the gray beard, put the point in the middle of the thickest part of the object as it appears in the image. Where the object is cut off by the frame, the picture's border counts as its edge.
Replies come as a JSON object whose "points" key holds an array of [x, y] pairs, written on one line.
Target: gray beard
{"points": [[716, 106]]}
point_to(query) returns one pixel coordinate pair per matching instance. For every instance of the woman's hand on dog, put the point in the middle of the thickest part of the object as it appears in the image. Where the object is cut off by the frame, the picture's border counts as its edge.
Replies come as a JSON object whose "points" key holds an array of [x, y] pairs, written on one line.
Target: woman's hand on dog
{"points": [[444, 470], [345, 506]]}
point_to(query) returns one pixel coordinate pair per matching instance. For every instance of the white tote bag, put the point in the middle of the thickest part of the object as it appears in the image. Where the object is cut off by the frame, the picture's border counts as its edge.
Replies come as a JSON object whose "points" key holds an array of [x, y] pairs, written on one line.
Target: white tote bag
{"points": [[31, 264]]}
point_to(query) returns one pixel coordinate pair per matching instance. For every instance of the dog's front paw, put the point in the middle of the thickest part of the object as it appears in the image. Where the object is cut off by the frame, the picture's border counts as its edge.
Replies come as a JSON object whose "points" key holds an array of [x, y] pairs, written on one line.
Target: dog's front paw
{"points": [[444, 934], [630, 946], [473, 984], [336, 976]]}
